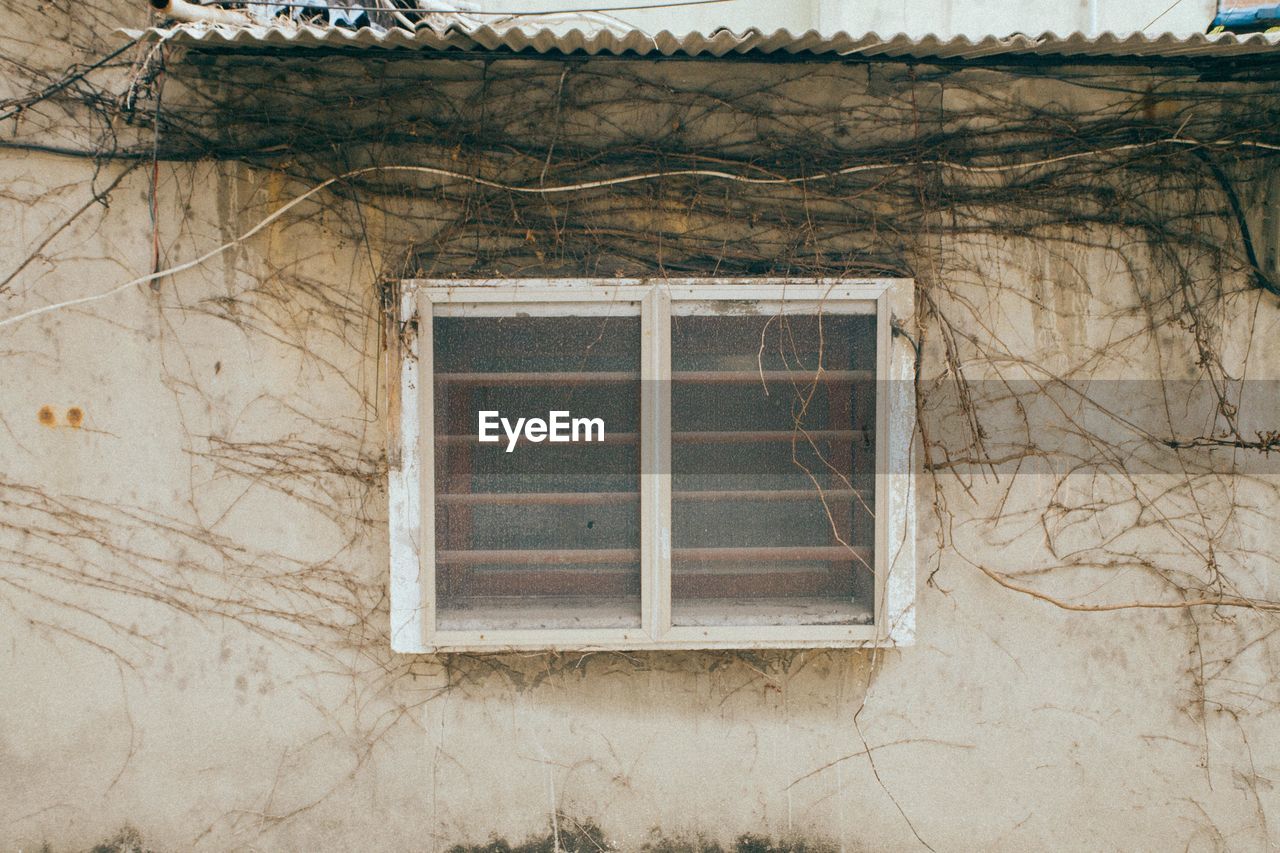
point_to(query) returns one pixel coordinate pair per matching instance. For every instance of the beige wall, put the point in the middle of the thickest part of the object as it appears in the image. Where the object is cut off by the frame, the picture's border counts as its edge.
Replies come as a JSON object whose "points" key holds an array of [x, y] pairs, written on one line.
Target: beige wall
{"points": [[193, 581]]}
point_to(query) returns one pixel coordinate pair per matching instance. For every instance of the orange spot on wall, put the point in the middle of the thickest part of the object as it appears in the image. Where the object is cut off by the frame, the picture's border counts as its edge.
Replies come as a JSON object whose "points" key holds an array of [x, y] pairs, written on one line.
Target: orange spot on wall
{"points": [[46, 416], [75, 416]]}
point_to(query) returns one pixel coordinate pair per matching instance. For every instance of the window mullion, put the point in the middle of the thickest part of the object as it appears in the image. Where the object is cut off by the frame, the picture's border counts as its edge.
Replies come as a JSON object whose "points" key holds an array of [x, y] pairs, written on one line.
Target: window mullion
{"points": [[655, 461]]}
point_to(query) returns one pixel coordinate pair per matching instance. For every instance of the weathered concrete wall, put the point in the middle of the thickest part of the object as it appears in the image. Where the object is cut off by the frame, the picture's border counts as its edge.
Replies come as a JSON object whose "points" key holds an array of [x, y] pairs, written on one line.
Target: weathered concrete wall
{"points": [[193, 578]]}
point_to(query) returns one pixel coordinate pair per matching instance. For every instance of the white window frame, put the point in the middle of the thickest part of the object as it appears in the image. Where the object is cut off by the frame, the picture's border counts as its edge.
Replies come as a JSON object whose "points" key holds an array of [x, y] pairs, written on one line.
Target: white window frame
{"points": [[411, 483]]}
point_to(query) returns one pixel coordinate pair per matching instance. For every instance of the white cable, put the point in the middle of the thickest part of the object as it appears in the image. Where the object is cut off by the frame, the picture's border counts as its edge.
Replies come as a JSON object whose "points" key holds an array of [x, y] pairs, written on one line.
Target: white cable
{"points": [[604, 182]]}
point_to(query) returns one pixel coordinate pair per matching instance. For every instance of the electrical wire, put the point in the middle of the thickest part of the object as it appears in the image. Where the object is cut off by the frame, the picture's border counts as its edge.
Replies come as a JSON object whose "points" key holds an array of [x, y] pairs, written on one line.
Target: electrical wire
{"points": [[504, 14], [1152, 22]]}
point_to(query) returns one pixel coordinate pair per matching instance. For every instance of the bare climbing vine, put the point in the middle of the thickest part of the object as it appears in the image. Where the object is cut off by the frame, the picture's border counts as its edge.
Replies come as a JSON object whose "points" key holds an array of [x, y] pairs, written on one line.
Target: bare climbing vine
{"points": [[1092, 320]]}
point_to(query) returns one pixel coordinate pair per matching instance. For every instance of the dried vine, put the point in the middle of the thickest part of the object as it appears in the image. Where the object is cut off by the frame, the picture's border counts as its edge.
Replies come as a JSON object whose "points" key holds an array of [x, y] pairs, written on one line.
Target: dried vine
{"points": [[1121, 200]]}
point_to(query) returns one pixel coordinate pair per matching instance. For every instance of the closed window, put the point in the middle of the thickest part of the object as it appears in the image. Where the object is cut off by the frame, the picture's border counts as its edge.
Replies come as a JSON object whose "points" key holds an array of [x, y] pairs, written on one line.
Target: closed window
{"points": [[588, 464]]}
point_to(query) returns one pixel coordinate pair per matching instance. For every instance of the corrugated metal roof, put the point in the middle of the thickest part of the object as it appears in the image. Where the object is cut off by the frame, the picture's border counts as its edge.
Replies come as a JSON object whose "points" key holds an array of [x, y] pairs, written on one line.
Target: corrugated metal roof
{"points": [[607, 41]]}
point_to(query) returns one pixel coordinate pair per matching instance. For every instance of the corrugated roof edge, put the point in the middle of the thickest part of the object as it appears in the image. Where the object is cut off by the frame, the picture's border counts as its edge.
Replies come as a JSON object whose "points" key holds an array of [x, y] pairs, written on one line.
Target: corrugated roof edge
{"points": [[718, 44]]}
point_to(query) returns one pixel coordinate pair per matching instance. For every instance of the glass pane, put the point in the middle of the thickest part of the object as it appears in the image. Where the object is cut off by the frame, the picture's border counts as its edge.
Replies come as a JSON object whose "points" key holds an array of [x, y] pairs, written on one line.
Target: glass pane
{"points": [[773, 469], [532, 532]]}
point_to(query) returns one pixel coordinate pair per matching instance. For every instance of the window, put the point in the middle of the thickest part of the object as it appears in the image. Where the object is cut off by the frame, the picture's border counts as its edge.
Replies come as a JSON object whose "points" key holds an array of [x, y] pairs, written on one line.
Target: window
{"points": [[631, 465]]}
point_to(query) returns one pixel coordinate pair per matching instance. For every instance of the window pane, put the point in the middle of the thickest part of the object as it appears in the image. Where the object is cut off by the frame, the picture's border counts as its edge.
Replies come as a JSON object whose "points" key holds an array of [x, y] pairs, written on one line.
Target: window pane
{"points": [[773, 469], [546, 535]]}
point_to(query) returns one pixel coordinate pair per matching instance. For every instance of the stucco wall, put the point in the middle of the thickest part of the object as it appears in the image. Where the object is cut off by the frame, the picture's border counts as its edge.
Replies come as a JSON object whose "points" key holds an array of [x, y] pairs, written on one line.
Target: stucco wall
{"points": [[193, 580]]}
